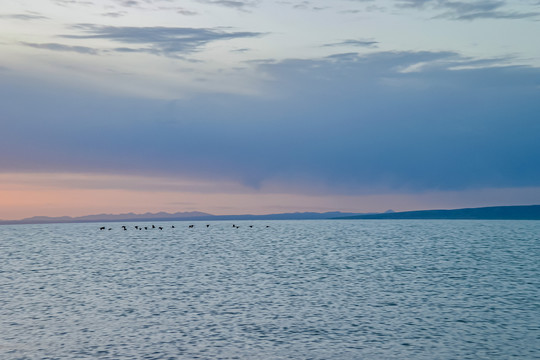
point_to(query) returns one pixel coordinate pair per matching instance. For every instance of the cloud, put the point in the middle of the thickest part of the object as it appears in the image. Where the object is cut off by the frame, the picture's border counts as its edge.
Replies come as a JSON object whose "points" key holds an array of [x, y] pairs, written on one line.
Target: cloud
{"points": [[242, 50], [154, 5], [308, 5], [469, 10], [353, 42], [235, 4], [62, 47], [413, 3], [345, 124], [114, 14], [24, 17], [168, 41], [459, 10], [186, 12], [128, 3], [351, 11], [73, 2], [303, 5]]}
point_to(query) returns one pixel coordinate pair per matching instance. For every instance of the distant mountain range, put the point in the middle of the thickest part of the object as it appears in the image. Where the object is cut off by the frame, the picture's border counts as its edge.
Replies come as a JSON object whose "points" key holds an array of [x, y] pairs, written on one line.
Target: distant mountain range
{"points": [[524, 212], [179, 216]]}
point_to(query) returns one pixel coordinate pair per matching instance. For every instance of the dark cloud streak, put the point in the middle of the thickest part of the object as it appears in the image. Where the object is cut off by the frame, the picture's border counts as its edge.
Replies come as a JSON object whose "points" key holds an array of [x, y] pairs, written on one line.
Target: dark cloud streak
{"points": [[73, 2], [468, 10], [128, 3], [114, 14], [62, 47], [235, 4], [353, 42], [168, 41], [23, 17]]}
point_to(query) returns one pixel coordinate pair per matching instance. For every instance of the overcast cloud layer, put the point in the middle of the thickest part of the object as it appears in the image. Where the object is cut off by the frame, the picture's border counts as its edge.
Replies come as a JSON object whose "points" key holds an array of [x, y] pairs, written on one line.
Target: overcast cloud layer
{"points": [[313, 97]]}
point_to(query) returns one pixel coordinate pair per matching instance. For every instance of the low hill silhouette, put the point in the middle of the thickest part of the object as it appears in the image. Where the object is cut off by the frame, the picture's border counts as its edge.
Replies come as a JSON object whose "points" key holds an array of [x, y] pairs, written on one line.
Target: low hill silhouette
{"points": [[522, 212]]}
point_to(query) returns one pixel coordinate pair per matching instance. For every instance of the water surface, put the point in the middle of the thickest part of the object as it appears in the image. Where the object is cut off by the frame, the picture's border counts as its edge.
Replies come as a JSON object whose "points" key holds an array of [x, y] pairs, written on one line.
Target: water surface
{"points": [[383, 289]]}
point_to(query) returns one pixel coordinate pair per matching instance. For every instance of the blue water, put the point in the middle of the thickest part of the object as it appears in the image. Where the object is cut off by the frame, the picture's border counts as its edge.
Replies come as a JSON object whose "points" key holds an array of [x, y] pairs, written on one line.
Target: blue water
{"points": [[294, 290]]}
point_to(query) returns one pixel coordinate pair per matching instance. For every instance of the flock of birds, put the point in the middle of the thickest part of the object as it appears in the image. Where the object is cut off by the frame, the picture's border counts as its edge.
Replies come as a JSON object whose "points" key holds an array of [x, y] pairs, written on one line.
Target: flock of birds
{"points": [[137, 227]]}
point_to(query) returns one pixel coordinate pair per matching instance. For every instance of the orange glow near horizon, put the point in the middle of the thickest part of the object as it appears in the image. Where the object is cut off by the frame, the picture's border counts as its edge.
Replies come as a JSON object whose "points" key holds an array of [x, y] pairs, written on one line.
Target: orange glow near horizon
{"points": [[26, 195]]}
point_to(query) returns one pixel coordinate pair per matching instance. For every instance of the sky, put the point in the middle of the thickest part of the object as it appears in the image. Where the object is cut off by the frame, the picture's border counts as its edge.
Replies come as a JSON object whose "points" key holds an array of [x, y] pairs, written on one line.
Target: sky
{"points": [[256, 106]]}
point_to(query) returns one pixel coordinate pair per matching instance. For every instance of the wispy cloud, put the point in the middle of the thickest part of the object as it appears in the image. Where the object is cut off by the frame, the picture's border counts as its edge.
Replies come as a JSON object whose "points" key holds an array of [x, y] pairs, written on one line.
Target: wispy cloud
{"points": [[308, 5], [73, 2], [354, 42], [351, 11], [24, 17], [236, 4], [469, 10], [114, 14], [167, 41], [413, 3], [62, 47], [128, 3], [343, 56], [459, 10], [186, 12]]}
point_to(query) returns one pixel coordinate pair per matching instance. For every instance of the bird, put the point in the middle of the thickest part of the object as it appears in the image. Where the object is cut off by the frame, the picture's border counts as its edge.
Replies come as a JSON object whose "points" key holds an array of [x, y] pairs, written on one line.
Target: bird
{"points": [[160, 228], [190, 226], [207, 225], [172, 226], [102, 228]]}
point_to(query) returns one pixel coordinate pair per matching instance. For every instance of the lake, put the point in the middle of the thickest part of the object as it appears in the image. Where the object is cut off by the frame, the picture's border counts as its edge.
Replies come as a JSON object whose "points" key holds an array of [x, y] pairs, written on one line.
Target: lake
{"points": [[342, 289]]}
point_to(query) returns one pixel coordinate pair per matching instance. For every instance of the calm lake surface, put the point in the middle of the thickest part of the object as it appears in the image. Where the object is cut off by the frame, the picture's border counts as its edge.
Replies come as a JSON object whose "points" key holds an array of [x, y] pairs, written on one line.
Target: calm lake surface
{"points": [[295, 290]]}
